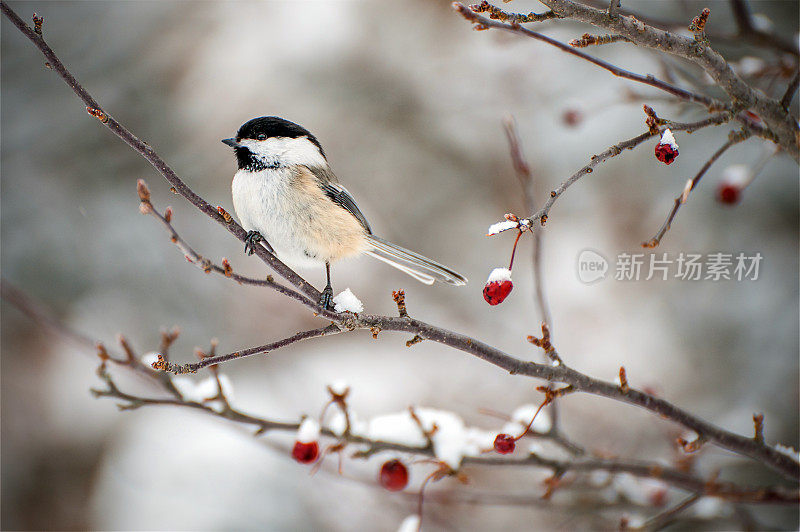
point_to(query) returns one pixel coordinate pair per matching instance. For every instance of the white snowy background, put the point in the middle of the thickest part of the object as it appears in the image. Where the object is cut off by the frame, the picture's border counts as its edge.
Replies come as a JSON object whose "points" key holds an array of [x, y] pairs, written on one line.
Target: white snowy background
{"points": [[408, 101]]}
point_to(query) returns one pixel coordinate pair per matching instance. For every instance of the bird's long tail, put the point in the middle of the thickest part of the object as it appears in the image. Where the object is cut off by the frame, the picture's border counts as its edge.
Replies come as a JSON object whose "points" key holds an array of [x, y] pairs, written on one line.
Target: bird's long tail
{"points": [[420, 268]]}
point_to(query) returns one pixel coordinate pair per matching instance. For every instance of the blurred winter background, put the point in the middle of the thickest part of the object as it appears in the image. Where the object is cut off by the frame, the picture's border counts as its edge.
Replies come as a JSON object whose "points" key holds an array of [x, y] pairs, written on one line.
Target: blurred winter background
{"points": [[408, 101]]}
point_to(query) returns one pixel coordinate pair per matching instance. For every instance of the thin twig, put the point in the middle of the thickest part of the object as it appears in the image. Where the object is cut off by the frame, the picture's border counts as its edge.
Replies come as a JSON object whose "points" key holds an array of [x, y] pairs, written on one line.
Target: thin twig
{"points": [[690, 185], [616, 149], [208, 266], [613, 8], [780, 124], [683, 94], [669, 515], [153, 158], [757, 38], [643, 469], [523, 171], [258, 350], [790, 90]]}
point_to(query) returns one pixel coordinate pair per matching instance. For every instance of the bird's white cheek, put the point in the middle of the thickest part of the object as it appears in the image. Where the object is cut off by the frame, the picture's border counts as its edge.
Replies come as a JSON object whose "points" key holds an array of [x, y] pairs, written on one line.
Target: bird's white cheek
{"points": [[285, 151]]}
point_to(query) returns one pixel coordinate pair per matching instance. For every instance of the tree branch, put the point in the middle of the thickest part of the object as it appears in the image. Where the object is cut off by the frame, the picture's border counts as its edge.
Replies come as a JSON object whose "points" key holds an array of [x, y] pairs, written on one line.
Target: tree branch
{"points": [[783, 126], [690, 185], [616, 149], [643, 469], [143, 149], [513, 27]]}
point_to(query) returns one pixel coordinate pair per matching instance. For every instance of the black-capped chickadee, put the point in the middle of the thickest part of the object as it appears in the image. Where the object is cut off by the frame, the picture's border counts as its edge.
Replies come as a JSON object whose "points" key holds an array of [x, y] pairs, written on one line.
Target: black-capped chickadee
{"points": [[287, 197]]}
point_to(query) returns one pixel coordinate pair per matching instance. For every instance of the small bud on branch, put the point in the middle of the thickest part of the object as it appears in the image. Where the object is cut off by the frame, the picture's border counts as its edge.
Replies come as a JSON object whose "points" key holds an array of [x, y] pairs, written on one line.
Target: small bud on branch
{"points": [[595, 40], [98, 114], [399, 297], [758, 422], [37, 24]]}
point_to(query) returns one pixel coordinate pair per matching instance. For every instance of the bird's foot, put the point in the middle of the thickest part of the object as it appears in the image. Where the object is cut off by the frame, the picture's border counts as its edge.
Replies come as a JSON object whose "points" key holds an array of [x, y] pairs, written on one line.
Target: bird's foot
{"points": [[326, 298], [252, 240]]}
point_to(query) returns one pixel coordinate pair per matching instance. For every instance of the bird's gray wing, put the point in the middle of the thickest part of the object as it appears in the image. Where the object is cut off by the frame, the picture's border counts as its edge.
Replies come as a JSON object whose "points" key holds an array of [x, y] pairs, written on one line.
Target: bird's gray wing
{"points": [[340, 196]]}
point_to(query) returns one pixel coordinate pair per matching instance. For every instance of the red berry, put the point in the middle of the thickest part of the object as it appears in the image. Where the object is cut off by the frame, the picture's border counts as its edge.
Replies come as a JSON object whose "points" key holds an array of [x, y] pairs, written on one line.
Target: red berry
{"points": [[393, 475], [495, 292], [572, 117], [728, 193], [305, 453], [505, 444], [666, 153]]}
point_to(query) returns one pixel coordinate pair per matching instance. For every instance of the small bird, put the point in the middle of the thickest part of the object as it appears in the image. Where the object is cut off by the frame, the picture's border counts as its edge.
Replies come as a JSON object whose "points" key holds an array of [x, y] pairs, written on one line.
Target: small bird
{"points": [[287, 198]]}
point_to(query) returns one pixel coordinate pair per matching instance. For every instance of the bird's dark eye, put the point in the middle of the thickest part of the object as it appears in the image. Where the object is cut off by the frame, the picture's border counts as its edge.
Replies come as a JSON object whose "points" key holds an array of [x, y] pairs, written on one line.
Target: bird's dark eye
{"points": [[262, 136]]}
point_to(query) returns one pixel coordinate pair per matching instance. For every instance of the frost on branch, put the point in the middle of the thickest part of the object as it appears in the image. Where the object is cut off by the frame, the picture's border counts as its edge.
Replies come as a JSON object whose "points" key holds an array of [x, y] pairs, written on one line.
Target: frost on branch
{"points": [[451, 439], [499, 227], [148, 359], [204, 391], [346, 301], [308, 431], [410, 524], [788, 451]]}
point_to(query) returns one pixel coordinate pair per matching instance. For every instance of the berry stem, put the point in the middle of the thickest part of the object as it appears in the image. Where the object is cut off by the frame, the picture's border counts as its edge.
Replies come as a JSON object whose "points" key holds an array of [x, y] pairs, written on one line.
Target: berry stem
{"points": [[514, 251], [530, 424]]}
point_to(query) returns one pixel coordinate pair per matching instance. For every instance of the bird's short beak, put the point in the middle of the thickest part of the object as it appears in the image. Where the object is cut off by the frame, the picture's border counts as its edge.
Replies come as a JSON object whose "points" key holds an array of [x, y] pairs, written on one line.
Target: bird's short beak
{"points": [[231, 142]]}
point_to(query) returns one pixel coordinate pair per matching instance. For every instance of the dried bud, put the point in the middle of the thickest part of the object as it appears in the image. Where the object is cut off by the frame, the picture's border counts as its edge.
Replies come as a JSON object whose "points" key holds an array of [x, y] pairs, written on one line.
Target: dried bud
{"points": [[667, 149], [505, 444], [498, 286], [98, 114], [225, 215], [37, 24], [143, 190], [168, 214], [393, 475], [102, 353]]}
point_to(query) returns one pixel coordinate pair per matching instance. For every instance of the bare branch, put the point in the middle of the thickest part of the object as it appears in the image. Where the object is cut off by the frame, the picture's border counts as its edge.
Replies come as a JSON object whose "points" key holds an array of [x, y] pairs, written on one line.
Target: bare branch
{"points": [[690, 185], [496, 13], [523, 172], [153, 158], [595, 40], [757, 38], [258, 350], [669, 515], [616, 149], [208, 266], [683, 94], [643, 469], [782, 125], [791, 90]]}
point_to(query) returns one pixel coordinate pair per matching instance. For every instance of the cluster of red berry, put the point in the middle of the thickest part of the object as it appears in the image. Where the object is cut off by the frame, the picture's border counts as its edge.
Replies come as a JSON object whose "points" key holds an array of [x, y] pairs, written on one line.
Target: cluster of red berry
{"points": [[393, 474]]}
